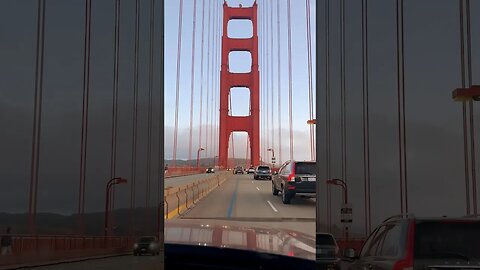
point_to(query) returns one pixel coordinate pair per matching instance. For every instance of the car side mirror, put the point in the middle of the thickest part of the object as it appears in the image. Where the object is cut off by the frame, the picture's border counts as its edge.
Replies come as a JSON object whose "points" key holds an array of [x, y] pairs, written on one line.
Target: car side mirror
{"points": [[350, 253]]}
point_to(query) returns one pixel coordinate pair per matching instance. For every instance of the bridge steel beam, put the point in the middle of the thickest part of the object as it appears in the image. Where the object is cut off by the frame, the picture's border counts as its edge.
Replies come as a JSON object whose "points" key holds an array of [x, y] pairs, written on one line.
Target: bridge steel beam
{"points": [[228, 80]]}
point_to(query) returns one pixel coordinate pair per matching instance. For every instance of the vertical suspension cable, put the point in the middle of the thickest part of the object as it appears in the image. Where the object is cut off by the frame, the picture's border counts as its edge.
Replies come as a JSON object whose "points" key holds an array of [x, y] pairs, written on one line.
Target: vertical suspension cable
{"points": [[192, 84], [219, 62], [201, 77], [279, 87], [366, 129], [208, 81], [113, 152], [232, 134], [470, 104], [133, 164], [327, 112], [37, 117], [401, 109], [272, 132], [177, 94], [85, 103], [290, 120], [464, 109], [213, 84], [149, 118], [310, 81], [342, 91], [267, 85]]}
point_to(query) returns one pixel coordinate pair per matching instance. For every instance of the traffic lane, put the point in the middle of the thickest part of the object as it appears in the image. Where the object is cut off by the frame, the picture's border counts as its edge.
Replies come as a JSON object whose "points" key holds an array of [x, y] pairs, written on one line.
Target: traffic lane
{"points": [[249, 202], [128, 262], [187, 179], [299, 207]]}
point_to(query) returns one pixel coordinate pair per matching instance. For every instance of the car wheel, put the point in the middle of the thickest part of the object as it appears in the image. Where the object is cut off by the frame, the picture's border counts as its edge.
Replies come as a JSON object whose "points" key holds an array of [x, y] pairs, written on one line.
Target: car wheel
{"points": [[274, 190], [285, 196]]}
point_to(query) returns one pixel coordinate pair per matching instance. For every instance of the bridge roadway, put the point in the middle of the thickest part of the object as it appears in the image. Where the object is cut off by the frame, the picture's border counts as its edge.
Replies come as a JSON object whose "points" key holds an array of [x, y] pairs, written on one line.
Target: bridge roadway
{"points": [[245, 201], [238, 201]]}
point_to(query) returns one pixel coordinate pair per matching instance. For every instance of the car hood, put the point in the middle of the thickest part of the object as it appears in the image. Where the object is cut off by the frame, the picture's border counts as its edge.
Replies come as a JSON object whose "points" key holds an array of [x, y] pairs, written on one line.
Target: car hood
{"points": [[215, 233]]}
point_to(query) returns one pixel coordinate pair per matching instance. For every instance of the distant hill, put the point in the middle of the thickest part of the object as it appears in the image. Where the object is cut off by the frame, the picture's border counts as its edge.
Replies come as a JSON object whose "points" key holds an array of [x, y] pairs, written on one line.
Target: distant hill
{"points": [[48, 223], [204, 162]]}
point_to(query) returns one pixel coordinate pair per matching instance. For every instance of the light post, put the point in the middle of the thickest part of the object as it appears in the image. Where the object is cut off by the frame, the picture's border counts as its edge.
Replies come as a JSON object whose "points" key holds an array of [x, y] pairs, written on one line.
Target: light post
{"points": [[198, 156], [312, 122], [110, 184], [343, 185], [273, 155]]}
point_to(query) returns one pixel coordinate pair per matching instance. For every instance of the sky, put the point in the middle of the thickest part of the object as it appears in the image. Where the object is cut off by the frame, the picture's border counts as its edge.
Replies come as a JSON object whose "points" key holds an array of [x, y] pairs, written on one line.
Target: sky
{"points": [[240, 62], [433, 120]]}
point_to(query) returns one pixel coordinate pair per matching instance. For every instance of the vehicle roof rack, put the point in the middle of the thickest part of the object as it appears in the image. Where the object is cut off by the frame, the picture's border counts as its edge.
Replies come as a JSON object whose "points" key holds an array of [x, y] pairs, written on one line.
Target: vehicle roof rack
{"points": [[400, 216]]}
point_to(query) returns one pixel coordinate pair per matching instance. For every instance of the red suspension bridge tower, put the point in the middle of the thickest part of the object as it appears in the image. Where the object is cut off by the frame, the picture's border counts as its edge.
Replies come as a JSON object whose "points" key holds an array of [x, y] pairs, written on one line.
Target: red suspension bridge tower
{"points": [[228, 80]]}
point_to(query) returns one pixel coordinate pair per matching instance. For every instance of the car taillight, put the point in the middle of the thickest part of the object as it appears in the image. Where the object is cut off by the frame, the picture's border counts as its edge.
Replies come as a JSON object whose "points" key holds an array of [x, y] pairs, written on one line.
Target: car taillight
{"points": [[291, 178], [407, 262]]}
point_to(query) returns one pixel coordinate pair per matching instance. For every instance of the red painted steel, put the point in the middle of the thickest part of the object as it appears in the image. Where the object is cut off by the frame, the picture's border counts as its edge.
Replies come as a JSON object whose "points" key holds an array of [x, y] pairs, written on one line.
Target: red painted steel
{"points": [[249, 124]]}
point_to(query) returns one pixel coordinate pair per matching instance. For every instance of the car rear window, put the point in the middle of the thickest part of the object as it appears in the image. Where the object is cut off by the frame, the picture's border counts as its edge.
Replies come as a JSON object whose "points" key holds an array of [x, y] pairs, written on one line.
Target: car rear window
{"points": [[146, 239], [447, 239], [325, 240], [305, 168], [263, 168]]}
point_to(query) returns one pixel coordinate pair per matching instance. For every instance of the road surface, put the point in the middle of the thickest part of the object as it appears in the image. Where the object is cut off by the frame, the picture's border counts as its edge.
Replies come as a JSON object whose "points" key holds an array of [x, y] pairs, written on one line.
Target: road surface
{"points": [[244, 201]]}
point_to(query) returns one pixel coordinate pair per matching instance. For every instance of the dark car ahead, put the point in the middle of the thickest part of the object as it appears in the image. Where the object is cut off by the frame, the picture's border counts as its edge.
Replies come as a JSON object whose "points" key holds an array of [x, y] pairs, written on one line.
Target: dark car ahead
{"points": [[295, 178], [238, 169], [420, 243], [210, 170], [262, 172], [146, 245], [327, 251], [251, 170]]}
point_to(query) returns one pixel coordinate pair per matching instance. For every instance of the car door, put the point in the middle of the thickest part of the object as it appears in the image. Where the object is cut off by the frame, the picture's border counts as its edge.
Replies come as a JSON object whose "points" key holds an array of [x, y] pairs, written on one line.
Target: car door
{"points": [[392, 245], [283, 177], [367, 257], [277, 180]]}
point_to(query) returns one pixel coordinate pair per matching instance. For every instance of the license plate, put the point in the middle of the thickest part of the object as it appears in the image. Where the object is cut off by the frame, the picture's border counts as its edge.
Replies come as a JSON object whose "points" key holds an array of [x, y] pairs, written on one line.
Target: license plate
{"points": [[312, 179]]}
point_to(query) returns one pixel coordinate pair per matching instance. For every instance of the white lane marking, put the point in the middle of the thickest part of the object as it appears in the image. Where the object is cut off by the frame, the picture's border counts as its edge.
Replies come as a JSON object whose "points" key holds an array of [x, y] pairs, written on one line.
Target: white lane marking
{"points": [[258, 189], [273, 207], [252, 182]]}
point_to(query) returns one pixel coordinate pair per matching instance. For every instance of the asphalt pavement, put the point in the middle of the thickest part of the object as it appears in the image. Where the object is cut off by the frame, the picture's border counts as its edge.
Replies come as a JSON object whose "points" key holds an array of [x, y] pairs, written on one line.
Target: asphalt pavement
{"points": [[245, 201]]}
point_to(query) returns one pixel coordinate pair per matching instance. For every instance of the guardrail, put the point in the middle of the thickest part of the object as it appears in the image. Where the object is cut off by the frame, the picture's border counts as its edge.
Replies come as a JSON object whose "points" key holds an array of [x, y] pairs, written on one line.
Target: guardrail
{"points": [[179, 199], [28, 250]]}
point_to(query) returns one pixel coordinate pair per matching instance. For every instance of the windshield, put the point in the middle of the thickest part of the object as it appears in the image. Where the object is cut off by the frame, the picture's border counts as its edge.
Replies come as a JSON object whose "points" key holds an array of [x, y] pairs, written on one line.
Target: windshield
{"points": [[305, 168], [444, 239], [325, 239], [263, 168]]}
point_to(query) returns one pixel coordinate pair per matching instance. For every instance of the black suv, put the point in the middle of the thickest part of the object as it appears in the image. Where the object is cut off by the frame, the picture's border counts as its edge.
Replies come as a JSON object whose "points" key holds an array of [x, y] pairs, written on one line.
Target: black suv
{"points": [[295, 177], [403, 243]]}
